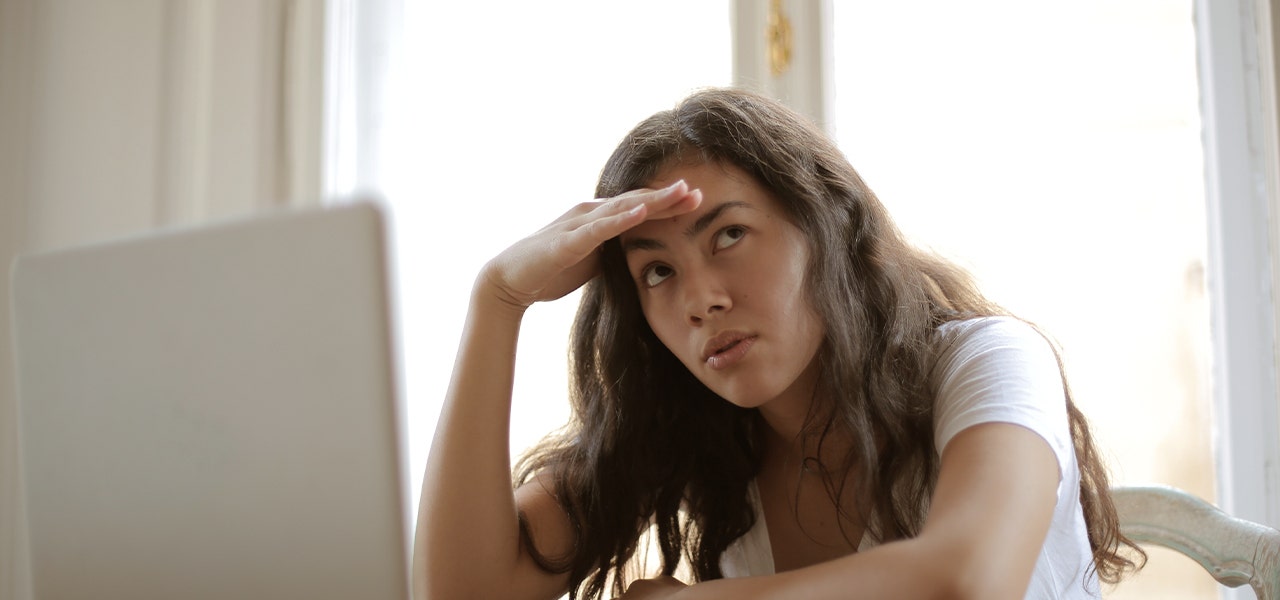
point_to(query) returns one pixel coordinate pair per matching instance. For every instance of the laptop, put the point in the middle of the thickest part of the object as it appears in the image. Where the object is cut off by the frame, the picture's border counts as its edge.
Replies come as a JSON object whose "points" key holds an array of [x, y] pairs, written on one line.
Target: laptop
{"points": [[213, 412]]}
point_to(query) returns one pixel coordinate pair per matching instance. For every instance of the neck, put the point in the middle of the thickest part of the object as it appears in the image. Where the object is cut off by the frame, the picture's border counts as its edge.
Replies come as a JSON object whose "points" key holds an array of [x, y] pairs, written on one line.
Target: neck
{"points": [[790, 443], [786, 414], [785, 421]]}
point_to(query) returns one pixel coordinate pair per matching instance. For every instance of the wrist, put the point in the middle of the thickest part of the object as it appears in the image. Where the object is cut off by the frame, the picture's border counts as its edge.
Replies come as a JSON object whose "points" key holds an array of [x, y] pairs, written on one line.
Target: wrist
{"points": [[491, 300]]}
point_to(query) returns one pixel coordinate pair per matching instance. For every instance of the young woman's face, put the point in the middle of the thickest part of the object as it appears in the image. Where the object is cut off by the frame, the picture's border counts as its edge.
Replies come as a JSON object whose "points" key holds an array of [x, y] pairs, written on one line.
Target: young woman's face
{"points": [[723, 288]]}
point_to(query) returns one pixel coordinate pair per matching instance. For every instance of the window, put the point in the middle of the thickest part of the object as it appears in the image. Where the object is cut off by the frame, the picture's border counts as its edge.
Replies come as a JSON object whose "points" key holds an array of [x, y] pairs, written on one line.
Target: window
{"points": [[1055, 150], [501, 116]]}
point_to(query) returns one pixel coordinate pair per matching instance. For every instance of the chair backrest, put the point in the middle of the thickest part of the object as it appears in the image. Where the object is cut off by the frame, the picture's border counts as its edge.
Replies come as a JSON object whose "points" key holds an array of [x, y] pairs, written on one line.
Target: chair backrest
{"points": [[1236, 552]]}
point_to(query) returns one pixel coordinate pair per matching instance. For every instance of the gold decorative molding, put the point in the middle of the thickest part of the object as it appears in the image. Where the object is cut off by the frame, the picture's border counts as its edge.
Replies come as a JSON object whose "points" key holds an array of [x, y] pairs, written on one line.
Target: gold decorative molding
{"points": [[778, 37]]}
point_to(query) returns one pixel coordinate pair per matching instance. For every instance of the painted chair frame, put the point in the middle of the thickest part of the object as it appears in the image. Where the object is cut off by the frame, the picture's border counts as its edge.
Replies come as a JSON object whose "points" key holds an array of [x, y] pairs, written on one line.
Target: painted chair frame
{"points": [[1234, 551]]}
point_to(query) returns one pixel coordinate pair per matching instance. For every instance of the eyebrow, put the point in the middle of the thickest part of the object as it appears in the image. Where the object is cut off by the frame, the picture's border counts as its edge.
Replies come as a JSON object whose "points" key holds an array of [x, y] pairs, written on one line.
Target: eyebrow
{"points": [[698, 226]]}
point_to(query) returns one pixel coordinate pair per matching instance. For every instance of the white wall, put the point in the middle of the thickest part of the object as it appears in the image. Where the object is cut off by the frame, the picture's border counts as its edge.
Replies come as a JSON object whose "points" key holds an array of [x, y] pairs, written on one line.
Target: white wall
{"points": [[121, 116]]}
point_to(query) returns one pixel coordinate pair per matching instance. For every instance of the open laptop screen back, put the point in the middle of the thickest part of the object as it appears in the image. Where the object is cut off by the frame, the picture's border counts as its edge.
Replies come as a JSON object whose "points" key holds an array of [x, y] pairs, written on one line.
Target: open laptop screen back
{"points": [[212, 413]]}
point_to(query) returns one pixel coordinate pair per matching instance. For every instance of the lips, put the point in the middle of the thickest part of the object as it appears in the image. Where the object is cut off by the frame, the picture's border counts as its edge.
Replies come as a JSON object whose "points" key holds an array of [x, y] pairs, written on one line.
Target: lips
{"points": [[727, 348]]}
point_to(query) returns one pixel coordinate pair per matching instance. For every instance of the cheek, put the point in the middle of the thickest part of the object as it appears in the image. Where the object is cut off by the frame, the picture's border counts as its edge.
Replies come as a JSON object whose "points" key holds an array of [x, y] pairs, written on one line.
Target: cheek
{"points": [[658, 322], [793, 292], [804, 316], [666, 326]]}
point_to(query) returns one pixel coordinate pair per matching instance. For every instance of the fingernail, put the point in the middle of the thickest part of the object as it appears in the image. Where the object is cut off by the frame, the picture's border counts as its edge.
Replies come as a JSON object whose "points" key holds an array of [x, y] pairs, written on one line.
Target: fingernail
{"points": [[675, 185]]}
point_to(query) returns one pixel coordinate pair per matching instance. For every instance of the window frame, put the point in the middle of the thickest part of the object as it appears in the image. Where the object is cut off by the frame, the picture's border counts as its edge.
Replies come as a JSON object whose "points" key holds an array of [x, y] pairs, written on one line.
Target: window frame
{"points": [[1238, 100]]}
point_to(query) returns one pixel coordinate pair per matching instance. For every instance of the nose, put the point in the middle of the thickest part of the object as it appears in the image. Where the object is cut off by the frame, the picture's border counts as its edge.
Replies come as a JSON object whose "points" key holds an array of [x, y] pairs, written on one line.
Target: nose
{"points": [[705, 297]]}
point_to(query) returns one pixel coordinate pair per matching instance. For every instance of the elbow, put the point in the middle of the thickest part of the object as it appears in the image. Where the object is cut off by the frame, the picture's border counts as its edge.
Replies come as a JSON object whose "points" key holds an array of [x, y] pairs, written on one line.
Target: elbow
{"points": [[958, 571], [438, 584], [446, 586], [964, 574], [427, 592], [967, 588], [440, 588]]}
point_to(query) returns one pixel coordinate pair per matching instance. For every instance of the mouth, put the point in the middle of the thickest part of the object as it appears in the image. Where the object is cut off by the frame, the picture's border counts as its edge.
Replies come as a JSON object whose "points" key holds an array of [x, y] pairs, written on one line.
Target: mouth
{"points": [[730, 345], [727, 348]]}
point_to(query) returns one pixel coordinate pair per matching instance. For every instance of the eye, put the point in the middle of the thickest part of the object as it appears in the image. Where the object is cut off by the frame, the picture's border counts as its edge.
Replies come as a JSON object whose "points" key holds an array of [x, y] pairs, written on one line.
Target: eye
{"points": [[729, 236], [655, 274]]}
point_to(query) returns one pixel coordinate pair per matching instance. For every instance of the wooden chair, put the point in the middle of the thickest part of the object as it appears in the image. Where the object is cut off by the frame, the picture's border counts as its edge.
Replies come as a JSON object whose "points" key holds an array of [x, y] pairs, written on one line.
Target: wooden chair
{"points": [[1236, 552]]}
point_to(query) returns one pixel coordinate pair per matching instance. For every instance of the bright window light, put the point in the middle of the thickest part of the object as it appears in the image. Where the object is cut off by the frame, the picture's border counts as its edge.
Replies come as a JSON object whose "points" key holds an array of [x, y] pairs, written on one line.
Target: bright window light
{"points": [[502, 116]]}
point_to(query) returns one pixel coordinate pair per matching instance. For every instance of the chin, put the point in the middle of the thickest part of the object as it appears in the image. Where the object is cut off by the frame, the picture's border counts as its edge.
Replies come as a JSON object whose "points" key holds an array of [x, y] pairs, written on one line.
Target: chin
{"points": [[744, 400]]}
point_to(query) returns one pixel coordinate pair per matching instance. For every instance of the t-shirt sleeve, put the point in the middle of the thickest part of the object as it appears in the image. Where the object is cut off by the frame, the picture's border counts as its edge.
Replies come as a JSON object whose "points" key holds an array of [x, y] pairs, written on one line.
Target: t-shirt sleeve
{"points": [[1000, 370]]}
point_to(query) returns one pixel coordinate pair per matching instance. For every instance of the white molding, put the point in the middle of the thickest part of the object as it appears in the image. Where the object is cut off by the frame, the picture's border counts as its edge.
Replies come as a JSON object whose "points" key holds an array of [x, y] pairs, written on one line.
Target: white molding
{"points": [[186, 103], [17, 19], [1268, 27], [303, 100], [338, 169], [806, 84], [1242, 284], [360, 39], [16, 25]]}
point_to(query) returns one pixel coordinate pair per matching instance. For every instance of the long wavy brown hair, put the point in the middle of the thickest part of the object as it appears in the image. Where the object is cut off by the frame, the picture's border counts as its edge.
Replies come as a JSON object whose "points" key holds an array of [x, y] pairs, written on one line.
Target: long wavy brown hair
{"points": [[649, 447]]}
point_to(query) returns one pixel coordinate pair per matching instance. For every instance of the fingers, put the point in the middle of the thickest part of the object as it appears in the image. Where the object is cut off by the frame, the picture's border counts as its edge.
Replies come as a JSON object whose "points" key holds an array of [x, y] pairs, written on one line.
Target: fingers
{"points": [[655, 199], [686, 203], [670, 201], [562, 256], [584, 239], [627, 211], [597, 222]]}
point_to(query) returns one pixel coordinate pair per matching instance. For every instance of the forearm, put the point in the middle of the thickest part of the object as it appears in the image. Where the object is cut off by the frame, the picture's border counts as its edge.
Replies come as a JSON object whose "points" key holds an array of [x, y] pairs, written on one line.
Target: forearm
{"points": [[905, 569], [988, 520], [467, 529]]}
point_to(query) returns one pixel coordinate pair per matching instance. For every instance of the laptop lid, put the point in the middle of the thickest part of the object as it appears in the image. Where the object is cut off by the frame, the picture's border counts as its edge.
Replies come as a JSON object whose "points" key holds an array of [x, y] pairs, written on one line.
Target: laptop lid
{"points": [[213, 413]]}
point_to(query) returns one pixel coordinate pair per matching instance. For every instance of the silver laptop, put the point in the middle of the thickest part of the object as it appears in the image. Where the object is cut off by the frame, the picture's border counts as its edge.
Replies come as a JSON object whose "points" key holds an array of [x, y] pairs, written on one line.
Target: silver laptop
{"points": [[213, 413]]}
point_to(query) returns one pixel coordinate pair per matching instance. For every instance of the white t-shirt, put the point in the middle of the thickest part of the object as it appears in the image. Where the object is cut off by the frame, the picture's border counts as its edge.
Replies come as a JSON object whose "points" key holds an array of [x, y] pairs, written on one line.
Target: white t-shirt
{"points": [[990, 370]]}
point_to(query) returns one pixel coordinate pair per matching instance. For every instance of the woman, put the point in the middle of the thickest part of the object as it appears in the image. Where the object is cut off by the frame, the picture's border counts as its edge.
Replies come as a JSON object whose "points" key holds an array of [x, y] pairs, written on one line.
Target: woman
{"points": [[767, 378]]}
